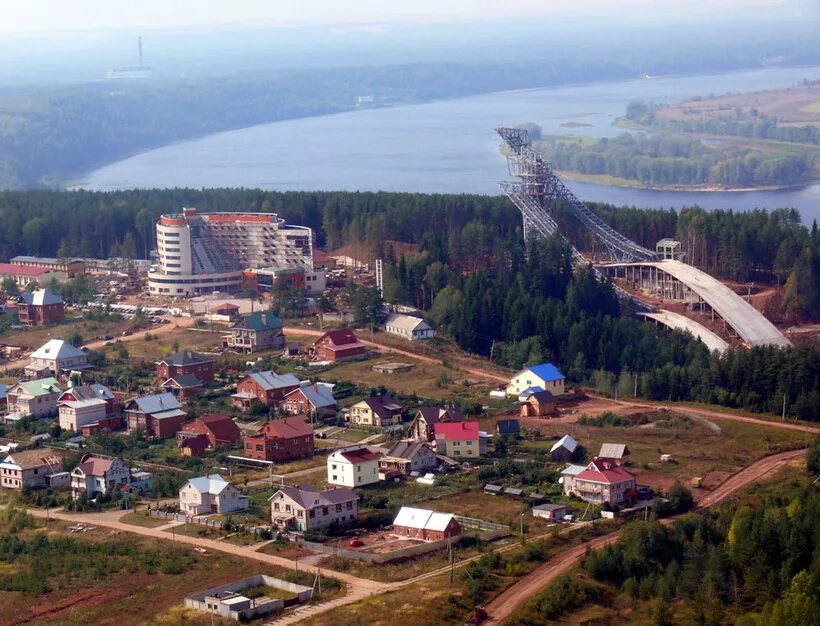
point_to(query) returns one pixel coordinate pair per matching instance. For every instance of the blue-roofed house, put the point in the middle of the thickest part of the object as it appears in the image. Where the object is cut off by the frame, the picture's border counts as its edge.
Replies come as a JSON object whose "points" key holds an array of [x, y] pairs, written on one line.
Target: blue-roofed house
{"points": [[268, 388], [316, 399], [210, 494], [546, 376], [159, 415]]}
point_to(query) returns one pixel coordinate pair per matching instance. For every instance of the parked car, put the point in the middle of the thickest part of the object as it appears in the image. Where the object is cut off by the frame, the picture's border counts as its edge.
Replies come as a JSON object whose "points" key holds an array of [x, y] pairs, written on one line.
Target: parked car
{"points": [[108, 337]]}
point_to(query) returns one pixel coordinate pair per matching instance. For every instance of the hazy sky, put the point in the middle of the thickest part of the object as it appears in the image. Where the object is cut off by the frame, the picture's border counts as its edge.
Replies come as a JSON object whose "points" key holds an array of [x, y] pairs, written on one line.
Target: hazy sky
{"points": [[26, 16]]}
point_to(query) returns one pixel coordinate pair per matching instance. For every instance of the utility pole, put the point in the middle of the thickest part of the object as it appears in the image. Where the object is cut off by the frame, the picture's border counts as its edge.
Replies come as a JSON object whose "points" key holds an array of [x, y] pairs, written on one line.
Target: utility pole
{"points": [[635, 393], [452, 563], [784, 408]]}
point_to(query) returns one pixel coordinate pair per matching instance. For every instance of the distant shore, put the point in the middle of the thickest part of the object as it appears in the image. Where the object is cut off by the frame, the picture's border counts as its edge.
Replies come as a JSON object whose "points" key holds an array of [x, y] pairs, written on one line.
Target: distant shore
{"points": [[614, 181]]}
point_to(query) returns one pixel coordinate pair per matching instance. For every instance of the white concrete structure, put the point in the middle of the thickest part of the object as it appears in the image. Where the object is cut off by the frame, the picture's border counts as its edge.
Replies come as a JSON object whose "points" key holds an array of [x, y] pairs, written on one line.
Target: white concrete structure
{"points": [[210, 494], [75, 415], [408, 327], [205, 253], [353, 467], [58, 356], [698, 331]]}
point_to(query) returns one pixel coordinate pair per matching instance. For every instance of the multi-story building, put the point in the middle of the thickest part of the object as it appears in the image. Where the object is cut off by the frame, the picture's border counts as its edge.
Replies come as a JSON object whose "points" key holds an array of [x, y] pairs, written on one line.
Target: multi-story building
{"points": [[57, 356], [280, 440], [98, 476], [353, 467], [603, 480], [459, 439], [34, 397], [185, 362], [257, 332], [266, 388], [210, 494], [376, 412], [29, 468], [71, 267], [306, 509], [82, 405], [200, 254], [159, 415], [40, 308], [24, 275]]}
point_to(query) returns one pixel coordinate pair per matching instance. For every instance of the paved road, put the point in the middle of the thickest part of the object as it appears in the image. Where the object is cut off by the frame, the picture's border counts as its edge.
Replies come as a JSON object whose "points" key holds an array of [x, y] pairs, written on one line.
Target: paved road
{"points": [[521, 592]]}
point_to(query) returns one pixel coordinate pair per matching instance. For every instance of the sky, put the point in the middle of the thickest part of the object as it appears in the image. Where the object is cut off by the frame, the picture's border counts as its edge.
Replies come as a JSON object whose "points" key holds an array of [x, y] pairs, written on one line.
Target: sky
{"points": [[52, 16]]}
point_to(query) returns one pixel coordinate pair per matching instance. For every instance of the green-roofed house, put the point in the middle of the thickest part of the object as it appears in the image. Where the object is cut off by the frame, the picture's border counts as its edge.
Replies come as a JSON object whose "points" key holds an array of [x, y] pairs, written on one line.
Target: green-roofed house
{"points": [[257, 332], [34, 397]]}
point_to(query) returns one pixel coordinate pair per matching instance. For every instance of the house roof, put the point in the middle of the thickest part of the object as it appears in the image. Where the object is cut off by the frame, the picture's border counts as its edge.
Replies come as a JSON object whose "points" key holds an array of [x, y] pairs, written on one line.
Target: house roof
{"points": [[422, 519], [604, 471], [546, 372], [221, 426], [57, 349], [40, 386], [269, 380], [185, 381], [550, 507], [4, 390], [613, 450], [542, 396], [225, 306], [9, 269], [157, 403], [41, 297], [406, 450], [29, 459], [508, 427], [319, 395], [286, 428], [24, 258], [94, 391], [164, 415], [457, 431], [573, 470], [309, 497], [184, 357], [340, 337], [434, 414], [94, 465], [259, 321], [406, 322], [76, 404], [530, 391], [565, 442], [213, 484], [382, 405], [358, 454]]}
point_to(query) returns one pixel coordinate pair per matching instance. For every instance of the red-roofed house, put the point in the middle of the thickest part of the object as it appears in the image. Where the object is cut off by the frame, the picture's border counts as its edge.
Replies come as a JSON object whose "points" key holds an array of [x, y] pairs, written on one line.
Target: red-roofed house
{"points": [[281, 440], [98, 476], [455, 439], [603, 480], [353, 467], [24, 275], [337, 345], [218, 429]]}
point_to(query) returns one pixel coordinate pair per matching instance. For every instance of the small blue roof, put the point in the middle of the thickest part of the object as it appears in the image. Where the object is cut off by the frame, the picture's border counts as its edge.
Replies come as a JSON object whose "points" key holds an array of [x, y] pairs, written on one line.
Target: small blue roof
{"points": [[546, 372], [319, 395], [530, 391], [158, 403]]}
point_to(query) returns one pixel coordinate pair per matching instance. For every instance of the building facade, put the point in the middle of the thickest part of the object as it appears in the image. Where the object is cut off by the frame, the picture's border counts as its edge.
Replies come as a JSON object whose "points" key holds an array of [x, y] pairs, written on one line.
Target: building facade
{"points": [[71, 267], [82, 405], [34, 397], [423, 426], [314, 400], [98, 476], [257, 332], [306, 509], [337, 346], [217, 429], [202, 253], [267, 388], [280, 440], [29, 469], [460, 439], [425, 525], [544, 377], [603, 480], [210, 494], [40, 308], [353, 467], [159, 415], [24, 275], [376, 412], [183, 363], [408, 327], [57, 356]]}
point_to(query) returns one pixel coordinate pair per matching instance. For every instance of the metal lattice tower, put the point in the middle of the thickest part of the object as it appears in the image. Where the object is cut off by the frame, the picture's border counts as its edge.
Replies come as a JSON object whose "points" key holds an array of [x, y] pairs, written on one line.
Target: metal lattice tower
{"points": [[538, 189]]}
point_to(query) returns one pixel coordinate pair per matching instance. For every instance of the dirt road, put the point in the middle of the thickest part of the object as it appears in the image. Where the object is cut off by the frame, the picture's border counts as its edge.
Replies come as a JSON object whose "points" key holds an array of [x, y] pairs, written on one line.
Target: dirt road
{"points": [[521, 592]]}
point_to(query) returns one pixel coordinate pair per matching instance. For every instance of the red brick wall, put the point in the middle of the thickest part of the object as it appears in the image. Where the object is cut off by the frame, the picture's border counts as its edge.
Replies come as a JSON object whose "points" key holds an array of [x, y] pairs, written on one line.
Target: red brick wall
{"points": [[277, 449]]}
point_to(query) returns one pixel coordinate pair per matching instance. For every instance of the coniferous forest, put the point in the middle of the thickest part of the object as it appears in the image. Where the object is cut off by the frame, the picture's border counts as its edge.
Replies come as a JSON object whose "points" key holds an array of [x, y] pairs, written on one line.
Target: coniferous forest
{"points": [[468, 268]]}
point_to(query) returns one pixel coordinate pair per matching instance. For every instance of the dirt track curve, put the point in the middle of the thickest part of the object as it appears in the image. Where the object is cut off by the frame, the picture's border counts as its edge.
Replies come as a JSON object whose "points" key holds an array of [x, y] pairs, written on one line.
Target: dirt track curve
{"points": [[516, 596]]}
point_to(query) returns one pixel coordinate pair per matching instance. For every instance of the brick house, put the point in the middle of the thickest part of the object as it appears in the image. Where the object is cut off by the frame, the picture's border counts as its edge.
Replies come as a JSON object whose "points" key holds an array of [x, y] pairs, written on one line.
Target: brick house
{"points": [[29, 468], [185, 362], [422, 428], [218, 429], [378, 411], [279, 440], [268, 388], [460, 439], [306, 509], [159, 415], [336, 346], [184, 387], [257, 332], [315, 400], [40, 308], [425, 525]]}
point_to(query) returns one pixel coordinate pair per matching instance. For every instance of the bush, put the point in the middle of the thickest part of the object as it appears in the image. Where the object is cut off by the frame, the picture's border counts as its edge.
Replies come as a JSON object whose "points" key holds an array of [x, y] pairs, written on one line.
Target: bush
{"points": [[565, 594]]}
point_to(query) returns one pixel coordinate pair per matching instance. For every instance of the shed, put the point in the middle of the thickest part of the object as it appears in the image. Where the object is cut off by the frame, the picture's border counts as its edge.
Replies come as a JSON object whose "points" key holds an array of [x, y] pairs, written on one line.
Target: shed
{"points": [[508, 428], [551, 512], [564, 449], [493, 489], [511, 491]]}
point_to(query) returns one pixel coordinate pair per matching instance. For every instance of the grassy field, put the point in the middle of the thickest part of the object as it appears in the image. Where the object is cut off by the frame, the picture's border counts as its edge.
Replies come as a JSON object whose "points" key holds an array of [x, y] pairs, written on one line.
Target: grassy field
{"points": [[89, 330], [202, 340], [141, 519]]}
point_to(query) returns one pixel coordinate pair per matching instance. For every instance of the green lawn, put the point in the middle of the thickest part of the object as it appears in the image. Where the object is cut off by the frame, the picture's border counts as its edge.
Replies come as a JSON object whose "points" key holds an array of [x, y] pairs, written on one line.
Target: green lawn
{"points": [[141, 519]]}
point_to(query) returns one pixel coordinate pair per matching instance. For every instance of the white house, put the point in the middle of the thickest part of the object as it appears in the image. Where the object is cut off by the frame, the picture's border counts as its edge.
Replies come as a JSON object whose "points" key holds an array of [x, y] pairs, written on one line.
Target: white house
{"points": [[57, 356], [210, 494], [307, 509], [34, 397], [353, 467], [544, 377], [81, 405], [408, 327], [98, 476]]}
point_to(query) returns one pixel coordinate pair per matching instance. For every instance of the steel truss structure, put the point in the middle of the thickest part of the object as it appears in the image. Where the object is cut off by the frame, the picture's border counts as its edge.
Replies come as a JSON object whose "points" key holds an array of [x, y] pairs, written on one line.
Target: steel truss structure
{"points": [[537, 191]]}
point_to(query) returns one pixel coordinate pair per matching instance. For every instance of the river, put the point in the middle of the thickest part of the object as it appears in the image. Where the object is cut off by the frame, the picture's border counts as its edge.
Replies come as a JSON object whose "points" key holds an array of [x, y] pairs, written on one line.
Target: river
{"points": [[446, 146]]}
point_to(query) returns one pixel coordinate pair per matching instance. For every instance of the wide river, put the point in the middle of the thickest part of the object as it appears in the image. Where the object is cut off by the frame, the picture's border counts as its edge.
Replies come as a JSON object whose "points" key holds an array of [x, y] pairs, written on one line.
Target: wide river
{"points": [[446, 146]]}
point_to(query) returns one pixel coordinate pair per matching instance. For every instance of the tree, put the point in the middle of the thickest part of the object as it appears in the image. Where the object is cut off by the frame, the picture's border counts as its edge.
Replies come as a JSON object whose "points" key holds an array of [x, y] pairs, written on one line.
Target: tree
{"points": [[813, 457], [10, 286]]}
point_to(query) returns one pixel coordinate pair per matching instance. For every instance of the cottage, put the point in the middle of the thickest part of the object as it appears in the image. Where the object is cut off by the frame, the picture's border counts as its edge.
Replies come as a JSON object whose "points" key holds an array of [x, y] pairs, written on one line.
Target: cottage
{"points": [[615, 451], [82, 405], [28, 469], [314, 400], [551, 512], [159, 415], [218, 430], [306, 509], [34, 397], [96, 476], [280, 440], [257, 332], [41, 307], [422, 428], [408, 456], [563, 450], [425, 525], [337, 346], [537, 403], [460, 439], [210, 494], [408, 327], [353, 467], [184, 386], [57, 357], [543, 377], [268, 388], [508, 428], [185, 362], [377, 412], [603, 480]]}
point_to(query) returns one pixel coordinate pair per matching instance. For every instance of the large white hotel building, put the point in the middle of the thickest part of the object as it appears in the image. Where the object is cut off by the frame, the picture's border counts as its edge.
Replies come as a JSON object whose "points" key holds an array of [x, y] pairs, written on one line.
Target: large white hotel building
{"points": [[203, 253]]}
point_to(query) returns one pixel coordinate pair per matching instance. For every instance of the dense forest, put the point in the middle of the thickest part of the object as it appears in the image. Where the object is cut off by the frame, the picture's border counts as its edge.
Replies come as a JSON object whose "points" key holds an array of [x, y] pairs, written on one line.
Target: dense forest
{"points": [[469, 269], [667, 159], [744, 565]]}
